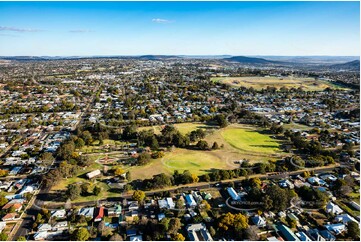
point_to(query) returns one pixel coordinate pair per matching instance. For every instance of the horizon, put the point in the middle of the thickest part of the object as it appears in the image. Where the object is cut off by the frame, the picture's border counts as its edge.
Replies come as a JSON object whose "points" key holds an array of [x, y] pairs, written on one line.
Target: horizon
{"points": [[190, 28]]}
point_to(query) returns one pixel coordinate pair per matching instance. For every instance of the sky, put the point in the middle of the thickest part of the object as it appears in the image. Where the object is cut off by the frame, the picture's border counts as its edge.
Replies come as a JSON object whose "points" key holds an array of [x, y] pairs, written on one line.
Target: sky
{"points": [[179, 28]]}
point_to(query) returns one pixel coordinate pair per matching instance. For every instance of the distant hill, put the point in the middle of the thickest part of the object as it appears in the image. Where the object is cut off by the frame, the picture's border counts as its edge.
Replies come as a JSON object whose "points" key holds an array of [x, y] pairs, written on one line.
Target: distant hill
{"points": [[157, 57], [251, 60], [352, 66]]}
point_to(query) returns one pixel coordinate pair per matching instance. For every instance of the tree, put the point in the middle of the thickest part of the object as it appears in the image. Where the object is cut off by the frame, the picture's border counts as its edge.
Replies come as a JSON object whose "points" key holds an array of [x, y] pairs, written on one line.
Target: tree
{"points": [[3, 199], [87, 137], [178, 237], [174, 225], [251, 233], [81, 234], [46, 158], [3, 237], [21, 238], [353, 230], [96, 190], [138, 196], [119, 171], [206, 205], [79, 143], [234, 221], [128, 176], [116, 237], [143, 158], [221, 120], [202, 145], [73, 191], [212, 231], [215, 146], [195, 178]]}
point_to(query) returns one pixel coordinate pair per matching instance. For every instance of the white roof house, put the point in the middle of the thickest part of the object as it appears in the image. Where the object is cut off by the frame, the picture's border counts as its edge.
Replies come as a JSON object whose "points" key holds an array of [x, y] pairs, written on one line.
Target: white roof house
{"points": [[170, 203], [93, 174], [58, 213], [195, 231], [345, 218], [333, 208], [44, 227], [87, 212]]}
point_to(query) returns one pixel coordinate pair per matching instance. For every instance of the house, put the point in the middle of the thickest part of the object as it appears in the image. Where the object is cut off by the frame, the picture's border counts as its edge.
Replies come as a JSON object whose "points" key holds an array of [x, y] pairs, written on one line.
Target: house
{"points": [[99, 214], [259, 221], [2, 226], [63, 225], [16, 206], [170, 203], [333, 208], [162, 203], [87, 212], [355, 205], [136, 238], [303, 236], [161, 216], [190, 200], [198, 232], [287, 233], [115, 211], [93, 174], [234, 195], [336, 228], [327, 235], [9, 216], [345, 218], [58, 213], [44, 227]]}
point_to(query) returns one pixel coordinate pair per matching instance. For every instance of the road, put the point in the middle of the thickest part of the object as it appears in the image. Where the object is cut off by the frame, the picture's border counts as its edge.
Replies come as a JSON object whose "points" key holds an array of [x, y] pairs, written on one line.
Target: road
{"points": [[188, 187]]}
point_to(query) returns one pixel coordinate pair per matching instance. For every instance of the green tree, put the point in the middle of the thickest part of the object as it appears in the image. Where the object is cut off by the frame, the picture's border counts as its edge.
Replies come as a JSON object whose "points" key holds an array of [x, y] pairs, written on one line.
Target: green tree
{"points": [[96, 190], [138, 196], [80, 234], [3, 237], [353, 230], [73, 191], [21, 238], [143, 158]]}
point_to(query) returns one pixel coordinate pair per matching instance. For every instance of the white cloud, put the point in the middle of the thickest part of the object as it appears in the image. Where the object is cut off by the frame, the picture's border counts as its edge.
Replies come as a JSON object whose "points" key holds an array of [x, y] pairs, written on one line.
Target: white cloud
{"points": [[161, 21], [14, 29], [80, 31]]}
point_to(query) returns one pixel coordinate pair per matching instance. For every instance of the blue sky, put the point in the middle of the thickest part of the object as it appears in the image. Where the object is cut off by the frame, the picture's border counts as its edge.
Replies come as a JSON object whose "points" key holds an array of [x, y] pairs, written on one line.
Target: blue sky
{"points": [[189, 28]]}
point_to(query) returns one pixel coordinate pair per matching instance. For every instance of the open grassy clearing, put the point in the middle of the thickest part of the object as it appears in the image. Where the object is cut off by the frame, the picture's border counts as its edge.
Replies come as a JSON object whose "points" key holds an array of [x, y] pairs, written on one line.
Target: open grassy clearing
{"points": [[240, 142], [258, 82], [296, 126], [184, 128]]}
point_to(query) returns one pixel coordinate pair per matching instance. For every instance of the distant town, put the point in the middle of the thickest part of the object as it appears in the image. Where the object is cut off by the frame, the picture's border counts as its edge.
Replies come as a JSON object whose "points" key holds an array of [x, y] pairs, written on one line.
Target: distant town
{"points": [[195, 148]]}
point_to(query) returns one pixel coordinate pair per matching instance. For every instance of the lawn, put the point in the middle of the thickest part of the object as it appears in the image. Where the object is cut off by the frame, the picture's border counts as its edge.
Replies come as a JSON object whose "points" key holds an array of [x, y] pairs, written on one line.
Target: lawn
{"points": [[197, 162], [250, 140], [239, 141], [184, 128], [258, 82]]}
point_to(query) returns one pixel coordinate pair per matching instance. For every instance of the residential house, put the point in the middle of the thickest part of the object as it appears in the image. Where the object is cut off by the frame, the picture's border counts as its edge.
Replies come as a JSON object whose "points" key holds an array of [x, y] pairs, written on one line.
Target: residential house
{"points": [[198, 232], [333, 208]]}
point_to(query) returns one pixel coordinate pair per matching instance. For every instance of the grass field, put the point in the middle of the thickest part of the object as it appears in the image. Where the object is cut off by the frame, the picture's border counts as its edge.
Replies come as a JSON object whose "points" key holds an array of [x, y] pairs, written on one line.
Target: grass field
{"points": [[240, 142], [258, 82], [250, 140], [184, 128]]}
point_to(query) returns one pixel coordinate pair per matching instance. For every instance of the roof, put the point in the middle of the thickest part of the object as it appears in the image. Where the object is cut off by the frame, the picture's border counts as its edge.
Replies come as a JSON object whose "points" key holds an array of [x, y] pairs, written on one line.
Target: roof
{"points": [[337, 228], [100, 213], [233, 193], [287, 233]]}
